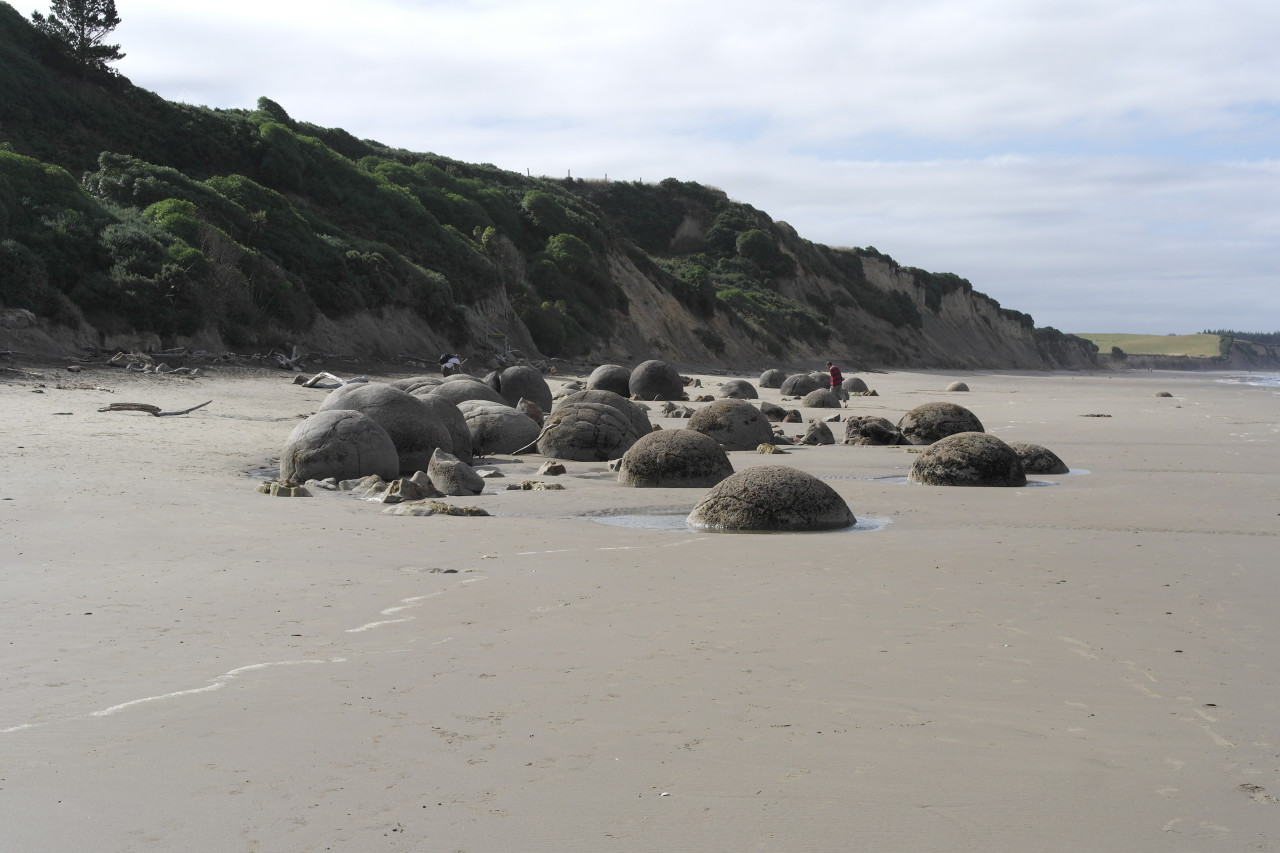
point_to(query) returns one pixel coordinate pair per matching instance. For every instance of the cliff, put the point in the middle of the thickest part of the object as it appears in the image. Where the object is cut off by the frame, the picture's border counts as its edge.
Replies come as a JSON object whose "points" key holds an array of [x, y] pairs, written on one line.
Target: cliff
{"points": [[127, 221]]}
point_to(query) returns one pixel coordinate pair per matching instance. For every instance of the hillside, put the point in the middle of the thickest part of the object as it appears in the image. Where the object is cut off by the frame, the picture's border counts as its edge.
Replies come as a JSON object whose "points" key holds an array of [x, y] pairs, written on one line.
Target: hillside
{"points": [[129, 221]]}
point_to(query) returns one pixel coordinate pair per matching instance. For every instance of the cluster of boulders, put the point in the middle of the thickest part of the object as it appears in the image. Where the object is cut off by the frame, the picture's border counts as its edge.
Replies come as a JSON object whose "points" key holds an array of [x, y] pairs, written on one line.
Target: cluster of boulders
{"points": [[408, 442]]}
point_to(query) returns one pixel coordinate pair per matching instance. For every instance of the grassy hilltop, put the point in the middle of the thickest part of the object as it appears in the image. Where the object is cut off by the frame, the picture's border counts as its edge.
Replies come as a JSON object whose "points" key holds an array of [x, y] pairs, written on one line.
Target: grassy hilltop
{"points": [[121, 212], [1201, 346]]}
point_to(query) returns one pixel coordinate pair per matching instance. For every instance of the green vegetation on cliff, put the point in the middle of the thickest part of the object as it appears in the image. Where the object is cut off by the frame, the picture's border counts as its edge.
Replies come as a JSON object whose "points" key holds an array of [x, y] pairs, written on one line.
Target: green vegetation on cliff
{"points": [[136, 214]]}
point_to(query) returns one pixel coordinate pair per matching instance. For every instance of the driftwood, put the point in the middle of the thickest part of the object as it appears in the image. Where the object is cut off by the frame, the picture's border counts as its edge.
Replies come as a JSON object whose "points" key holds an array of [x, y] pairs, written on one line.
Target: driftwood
{"points": [[335, 381], [149, 409]]}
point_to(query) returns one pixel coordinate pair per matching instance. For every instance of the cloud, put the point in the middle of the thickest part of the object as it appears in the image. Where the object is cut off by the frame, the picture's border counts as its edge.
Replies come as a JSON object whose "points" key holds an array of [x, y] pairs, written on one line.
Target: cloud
{"points": [[1082, 161]]}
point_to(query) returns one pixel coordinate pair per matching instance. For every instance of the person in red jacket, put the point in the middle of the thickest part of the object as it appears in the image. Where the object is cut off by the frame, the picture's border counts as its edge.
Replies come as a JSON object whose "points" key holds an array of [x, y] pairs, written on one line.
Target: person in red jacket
{"points": [[837, 382]]}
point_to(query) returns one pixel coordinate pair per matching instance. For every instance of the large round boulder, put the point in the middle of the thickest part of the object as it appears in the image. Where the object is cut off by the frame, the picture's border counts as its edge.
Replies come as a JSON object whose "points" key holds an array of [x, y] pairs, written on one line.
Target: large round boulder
{"points": [[587, 432], [610, 377], [451, 417], [870, 430], [674, 458], [631, 411], [799, 384], [968, 459], [854, 385], [459, 389], [656, 380], [772, 378], [738, 389], [1038, 460], [933, 421], [413, 383], [772, 497], [820, 399], [521, 381], [497, 428], [338, 443], [957, 386], [414, 430], [736, 424]]}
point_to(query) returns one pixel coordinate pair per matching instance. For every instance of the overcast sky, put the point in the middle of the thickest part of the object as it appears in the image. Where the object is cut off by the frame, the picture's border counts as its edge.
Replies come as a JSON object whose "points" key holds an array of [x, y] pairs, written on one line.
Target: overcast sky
{"points": [[1104, 165]]}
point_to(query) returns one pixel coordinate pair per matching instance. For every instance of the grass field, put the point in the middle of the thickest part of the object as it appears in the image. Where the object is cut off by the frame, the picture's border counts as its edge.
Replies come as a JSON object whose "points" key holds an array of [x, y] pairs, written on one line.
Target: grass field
{"points": [[1199, 345]]}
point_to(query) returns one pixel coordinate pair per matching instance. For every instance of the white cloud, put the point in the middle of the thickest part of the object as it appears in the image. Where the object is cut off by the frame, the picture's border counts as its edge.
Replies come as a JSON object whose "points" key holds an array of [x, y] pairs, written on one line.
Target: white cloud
{"points": [[1080, 161]]}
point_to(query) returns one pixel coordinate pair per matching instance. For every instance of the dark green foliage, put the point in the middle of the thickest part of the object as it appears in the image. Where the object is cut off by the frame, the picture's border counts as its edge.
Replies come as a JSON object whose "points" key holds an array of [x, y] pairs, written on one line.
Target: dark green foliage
{"points": [[1252, 337], [938, 284], [710, 339], [1118, 354], [79, 27]]}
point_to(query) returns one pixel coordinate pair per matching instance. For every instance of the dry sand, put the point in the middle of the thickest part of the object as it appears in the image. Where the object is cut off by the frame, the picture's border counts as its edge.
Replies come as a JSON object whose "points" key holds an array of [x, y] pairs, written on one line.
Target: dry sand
{"points": [[1089, 665]]}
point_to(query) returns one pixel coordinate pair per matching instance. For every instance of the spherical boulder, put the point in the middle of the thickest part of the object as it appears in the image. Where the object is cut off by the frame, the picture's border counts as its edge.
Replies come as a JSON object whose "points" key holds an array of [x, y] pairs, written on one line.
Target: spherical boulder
{"points": [[412, 383], [519, 381], [1038, 460], [968, 459], [674, 458], [610, 377], [738, 389], [957, 386], [497, 428], [462, 388], [633, 412], [932, 421], [820, 399], [854, 385], [451, 417], [414, 430], [869, 430], [772, 378], [771, 497], [799, 384], [587, 432], [736, 424], [656, 380], [338, 443]]}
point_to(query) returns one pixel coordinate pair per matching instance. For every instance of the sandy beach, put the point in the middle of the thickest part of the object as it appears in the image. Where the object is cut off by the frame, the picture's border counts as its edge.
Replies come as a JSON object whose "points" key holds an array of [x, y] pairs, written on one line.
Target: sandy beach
{"points": [[1087, 663]]}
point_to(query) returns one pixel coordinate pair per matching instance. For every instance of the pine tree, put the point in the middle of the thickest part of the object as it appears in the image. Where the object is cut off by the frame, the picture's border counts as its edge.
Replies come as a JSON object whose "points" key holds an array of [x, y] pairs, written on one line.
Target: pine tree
{"points": [[80, 26]]}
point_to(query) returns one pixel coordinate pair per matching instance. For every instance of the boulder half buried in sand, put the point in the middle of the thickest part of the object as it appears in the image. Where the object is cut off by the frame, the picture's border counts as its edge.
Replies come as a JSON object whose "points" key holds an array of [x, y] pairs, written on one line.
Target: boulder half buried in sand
{"points": [[1038, 460], [497, 428], [799, 384], [968, 459], [656, 380], [736, 424], [772, 378], [674, 458], [822, 398], [338, 443], [870, 430], [738, 389], [587, 432], [933, 421], [771, 498]]}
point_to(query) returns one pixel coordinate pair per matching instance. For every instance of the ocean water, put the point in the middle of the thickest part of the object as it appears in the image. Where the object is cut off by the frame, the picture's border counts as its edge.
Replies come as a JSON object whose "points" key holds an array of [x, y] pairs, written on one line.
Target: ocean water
{"points": [[1262, 380]]}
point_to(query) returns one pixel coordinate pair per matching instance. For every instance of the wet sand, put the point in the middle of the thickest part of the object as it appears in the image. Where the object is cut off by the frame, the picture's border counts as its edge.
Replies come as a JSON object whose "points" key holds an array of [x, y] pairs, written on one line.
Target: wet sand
{"points": [[1087, 665]]}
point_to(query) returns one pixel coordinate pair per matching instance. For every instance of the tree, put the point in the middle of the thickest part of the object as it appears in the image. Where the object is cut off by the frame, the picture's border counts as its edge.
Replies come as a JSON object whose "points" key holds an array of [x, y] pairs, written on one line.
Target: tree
{"points": [[80, 26]]}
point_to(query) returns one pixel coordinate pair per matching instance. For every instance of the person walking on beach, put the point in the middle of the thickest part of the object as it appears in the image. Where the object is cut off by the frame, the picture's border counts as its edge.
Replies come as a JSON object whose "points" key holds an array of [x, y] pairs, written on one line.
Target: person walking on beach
{"points": [[837, 382]]}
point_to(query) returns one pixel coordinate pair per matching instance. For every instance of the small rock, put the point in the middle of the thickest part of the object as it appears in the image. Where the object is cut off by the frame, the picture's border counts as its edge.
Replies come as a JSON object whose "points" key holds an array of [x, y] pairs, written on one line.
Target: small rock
{"points": [[769, 448], [551, 469]]}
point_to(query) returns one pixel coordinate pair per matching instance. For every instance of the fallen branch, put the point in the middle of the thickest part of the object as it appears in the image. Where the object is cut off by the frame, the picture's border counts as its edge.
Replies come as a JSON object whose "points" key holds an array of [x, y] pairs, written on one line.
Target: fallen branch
{"points": [[335, 381], [149, 409]]}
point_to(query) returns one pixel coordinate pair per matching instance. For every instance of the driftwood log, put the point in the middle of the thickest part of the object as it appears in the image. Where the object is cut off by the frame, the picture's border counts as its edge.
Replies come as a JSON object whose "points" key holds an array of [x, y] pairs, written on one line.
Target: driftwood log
{"points": [[149, 409]]}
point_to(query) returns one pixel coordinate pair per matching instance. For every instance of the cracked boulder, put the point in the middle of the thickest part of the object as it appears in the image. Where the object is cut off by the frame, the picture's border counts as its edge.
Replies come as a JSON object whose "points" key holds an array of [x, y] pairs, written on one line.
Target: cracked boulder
{"points": [[588, 431], [451, 476], [497, 428], [871, 430]]}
